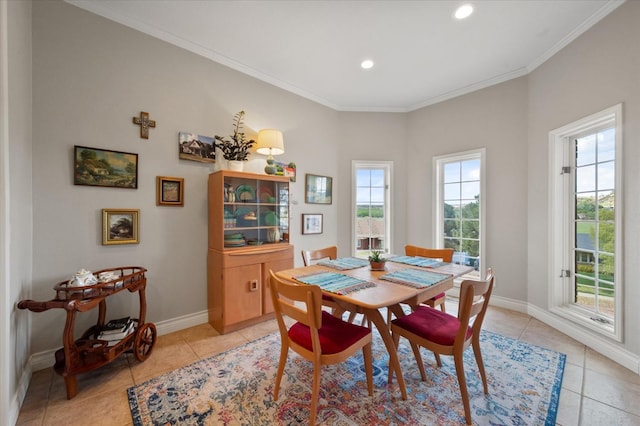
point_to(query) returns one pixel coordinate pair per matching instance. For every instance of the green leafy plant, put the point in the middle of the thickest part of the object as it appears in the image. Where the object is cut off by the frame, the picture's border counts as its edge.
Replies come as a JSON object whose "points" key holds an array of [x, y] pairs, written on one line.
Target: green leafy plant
{"points": [[376, 257], [236, 147]]}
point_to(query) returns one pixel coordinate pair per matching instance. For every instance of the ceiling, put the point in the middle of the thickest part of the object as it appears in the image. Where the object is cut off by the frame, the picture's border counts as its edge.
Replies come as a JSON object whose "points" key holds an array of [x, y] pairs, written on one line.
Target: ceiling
{"points": [[422, 54]]}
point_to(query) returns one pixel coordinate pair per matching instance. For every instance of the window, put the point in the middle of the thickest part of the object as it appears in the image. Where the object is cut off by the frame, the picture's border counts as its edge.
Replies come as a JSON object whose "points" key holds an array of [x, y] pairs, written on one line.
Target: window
{"points": [[586, 283], [459, 215], [371, 211]]}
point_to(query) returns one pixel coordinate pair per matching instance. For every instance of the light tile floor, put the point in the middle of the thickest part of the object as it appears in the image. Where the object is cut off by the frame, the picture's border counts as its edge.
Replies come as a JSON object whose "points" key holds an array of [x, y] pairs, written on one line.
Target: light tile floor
{"points": [[595, 390]]}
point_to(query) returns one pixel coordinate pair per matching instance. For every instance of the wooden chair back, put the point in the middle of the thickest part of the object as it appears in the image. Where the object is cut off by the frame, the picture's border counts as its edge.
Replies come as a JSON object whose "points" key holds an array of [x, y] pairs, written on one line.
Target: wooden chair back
{"points": [[446, 254], [309, 256], [474, 300]]}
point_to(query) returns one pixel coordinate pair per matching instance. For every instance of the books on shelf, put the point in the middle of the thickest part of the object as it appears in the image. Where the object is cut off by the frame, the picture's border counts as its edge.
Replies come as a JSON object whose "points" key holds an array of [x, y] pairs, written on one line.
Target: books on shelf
{"points": [[117, 325], [113, 336]]}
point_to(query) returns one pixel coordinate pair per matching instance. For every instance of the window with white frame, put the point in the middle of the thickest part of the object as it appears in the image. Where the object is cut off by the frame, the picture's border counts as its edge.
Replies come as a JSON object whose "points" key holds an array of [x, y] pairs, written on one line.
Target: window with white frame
{"points": [[371, 206], [586, 251], [459, 207]]}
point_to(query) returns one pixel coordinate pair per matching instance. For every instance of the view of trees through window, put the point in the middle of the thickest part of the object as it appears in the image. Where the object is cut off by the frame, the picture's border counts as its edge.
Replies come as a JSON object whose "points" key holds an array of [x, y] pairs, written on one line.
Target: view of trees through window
{"points": [[461, 213], [594, 227]]}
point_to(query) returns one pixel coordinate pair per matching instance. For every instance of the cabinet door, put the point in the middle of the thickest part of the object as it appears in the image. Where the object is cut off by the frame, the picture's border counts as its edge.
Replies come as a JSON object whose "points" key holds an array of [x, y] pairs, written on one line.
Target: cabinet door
{"points": [[276, 265], [242, 293]]}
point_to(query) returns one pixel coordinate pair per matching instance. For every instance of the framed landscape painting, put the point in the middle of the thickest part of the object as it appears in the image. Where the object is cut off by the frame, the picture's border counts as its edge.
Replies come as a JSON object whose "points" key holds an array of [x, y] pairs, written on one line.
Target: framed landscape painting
{"points": [[102, 167], [120, 226], [170, 191], [318, 189]]}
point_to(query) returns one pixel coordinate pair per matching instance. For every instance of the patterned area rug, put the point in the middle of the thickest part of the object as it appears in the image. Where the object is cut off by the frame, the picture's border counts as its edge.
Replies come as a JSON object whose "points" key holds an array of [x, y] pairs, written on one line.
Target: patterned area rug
{"points": [[236, 388]]}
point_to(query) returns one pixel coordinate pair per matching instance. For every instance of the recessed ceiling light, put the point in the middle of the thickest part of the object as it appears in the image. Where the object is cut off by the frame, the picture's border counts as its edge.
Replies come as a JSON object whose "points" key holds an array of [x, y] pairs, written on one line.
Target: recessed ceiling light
{"points": [[366, 64], [463, 11]]}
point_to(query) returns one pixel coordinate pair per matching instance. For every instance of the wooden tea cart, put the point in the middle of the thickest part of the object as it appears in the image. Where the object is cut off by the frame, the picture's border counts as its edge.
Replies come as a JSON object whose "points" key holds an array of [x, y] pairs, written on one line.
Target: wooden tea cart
{"points": [[89, 352]]}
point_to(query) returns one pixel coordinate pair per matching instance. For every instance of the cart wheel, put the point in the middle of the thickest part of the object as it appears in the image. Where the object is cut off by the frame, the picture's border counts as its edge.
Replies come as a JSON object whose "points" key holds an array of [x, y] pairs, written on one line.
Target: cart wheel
{"points": [[145, 339]]}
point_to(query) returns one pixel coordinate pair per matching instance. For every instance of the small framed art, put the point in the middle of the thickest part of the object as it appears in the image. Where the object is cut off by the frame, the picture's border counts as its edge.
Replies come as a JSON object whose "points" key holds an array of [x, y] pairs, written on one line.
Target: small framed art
{"points": [[170, 191], [102, 167], [120, 226], [318, 189], [311, 223]]}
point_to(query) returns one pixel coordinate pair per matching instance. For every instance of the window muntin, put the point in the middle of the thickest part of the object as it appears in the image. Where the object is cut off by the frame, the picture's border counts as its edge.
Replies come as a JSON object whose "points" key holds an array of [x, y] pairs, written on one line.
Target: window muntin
{"points": [[459, 183], [594, 222], [371, 219]]}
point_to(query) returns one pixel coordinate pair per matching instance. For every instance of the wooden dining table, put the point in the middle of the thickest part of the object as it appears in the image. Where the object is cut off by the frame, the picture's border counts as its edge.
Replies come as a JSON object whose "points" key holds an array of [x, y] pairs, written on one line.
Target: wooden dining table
{"points": [[383, 294]]}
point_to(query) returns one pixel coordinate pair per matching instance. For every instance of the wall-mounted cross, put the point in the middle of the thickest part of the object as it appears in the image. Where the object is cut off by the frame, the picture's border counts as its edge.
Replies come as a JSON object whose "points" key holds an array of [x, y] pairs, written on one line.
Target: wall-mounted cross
{"points": [[144, 123]]}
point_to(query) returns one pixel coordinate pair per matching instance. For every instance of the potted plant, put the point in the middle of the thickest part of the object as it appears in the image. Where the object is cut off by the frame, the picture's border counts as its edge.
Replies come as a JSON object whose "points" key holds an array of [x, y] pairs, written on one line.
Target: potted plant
{"points": [[376, 261], [236, 147]]}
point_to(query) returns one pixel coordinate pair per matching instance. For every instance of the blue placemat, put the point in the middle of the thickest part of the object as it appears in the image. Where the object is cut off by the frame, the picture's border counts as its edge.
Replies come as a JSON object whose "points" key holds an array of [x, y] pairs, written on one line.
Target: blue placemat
{"points": [[423, 262], [334, 282], [344, 263], [415, 278]]}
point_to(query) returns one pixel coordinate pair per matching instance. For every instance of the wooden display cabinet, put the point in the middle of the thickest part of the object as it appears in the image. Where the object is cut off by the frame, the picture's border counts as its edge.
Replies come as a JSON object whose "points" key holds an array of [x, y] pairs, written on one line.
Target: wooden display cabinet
{"points": [[248, 236]]}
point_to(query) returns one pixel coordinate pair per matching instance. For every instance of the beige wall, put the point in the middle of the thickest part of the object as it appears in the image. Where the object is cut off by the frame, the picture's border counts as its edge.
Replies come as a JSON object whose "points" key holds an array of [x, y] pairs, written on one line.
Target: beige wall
{"points": [[16, 204], [596, 71], [495, 119]]}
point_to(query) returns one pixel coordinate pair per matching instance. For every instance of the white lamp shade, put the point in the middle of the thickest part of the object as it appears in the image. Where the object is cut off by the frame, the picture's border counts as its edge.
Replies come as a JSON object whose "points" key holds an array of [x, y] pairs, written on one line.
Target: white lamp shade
{"points": [[270, 142]]}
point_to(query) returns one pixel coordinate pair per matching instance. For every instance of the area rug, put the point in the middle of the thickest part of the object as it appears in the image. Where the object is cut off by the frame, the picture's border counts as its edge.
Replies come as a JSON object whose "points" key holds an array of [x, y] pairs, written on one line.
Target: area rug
{"points": [[236, 388]]}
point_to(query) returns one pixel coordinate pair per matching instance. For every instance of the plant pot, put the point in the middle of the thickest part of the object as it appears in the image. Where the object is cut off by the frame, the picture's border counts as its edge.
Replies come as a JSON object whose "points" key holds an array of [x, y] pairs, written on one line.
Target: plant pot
{"points": [[377, 266], [235, 165]]}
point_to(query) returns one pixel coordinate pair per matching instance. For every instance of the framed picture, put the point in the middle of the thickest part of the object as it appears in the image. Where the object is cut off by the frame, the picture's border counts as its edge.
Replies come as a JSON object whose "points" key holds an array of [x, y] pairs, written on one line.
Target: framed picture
{"points": [[288, 169], [170, 191], [101, 167], [318, 189], [311, 223], [120, 226], [192, 146]]}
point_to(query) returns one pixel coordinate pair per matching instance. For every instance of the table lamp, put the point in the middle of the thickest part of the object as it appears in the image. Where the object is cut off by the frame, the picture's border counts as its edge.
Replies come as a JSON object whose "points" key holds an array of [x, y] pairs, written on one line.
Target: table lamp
{"points": [[270, 143]]}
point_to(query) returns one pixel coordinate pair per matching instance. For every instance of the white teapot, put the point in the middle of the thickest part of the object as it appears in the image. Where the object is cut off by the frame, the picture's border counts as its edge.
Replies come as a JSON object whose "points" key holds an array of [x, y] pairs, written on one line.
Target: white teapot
{"points": [[82, 278]]}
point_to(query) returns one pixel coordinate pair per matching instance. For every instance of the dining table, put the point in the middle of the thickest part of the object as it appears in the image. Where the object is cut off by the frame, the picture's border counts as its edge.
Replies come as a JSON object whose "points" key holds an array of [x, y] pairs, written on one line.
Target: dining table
{"points": [[401, 282]]}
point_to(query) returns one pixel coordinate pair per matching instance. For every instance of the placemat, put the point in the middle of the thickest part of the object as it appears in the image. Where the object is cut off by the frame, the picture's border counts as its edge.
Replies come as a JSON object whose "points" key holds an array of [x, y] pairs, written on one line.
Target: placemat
{"points": [[343, 263], [334, 282], [423, 262], [415, 278]]}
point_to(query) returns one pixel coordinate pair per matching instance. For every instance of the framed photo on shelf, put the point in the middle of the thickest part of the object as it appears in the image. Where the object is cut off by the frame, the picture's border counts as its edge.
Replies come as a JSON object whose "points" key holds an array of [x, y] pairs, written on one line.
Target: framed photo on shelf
{"points": [[170, 191], [318, 189], [311, 223], [120, 226], [102, 167]]}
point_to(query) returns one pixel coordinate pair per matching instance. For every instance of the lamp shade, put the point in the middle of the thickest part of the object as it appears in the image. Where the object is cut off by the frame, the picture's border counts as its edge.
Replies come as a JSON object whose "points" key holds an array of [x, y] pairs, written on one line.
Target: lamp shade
{"points": [[270, 142]]}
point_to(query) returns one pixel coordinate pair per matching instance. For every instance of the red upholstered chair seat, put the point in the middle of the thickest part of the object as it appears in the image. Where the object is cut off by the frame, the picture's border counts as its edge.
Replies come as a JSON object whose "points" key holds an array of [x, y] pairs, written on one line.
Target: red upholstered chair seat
{"points": [[438, 296], [432, 324], [335, 334]]}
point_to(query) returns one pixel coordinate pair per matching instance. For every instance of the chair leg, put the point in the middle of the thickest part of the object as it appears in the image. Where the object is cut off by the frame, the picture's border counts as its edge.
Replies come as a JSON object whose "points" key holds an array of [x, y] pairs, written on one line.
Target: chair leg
{"points": [[315, 392], [442, 307], [416, 354], [284, 351], [479, 361], [462, 382], [352, 316], [396, 341], [368, 367]]}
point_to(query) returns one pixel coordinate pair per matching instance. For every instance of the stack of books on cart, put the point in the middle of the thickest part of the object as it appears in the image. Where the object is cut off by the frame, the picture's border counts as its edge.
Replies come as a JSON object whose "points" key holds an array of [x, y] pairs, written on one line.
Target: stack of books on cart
{"points": [[117, 329]]}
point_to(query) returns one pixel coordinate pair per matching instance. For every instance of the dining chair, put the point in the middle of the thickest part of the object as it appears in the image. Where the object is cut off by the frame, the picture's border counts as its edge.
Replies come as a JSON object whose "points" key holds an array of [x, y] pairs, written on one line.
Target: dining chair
{"points": [[446, 254], [444, 334], [310, 257], [317, 335]]}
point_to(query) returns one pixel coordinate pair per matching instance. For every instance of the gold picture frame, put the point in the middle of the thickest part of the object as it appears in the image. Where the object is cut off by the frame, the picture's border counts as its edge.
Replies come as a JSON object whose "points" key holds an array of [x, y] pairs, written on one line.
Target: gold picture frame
{"points": [[120, 226], [169, 191]]}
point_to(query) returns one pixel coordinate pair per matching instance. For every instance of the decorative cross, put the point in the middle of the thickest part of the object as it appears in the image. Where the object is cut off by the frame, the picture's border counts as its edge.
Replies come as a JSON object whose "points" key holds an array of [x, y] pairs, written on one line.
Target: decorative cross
{"points": [[144, 123]]}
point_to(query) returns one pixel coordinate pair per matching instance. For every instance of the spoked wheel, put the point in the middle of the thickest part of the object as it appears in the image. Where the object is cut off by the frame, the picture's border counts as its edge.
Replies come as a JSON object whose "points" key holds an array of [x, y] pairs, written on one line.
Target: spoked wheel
{"points": [[145, 339]]}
